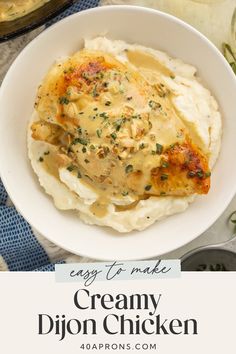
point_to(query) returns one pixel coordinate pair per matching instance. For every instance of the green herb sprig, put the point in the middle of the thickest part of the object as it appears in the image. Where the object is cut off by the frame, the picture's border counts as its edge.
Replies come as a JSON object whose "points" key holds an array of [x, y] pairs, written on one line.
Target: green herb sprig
{"points": [[229, 56]]}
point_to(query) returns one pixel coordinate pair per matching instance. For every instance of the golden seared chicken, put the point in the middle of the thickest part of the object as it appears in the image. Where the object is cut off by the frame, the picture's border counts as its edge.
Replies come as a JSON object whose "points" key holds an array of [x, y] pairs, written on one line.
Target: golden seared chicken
{"points": [[118, 131]]}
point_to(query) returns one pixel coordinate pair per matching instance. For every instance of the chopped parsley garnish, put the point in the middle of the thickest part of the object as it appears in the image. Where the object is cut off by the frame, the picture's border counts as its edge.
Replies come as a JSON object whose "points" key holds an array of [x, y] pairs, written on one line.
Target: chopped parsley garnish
{"points": [[154, 105], [95, 109], [81, 112], [129, 98], [86, 161], [162, 193], [172, 77], [79, 175], [207, 174], [125, 193], [200, 174], [129, 168], [70, 168], [79, 131], [172, 146], [79, 141], [63, 100], [84, 149], [92, 147], [47, 153], [104, 115], [108, 103], [94, 92], [114, 136], [41, 159], [142, 146], [165, 164], [99, 133], [164, 177], [159, 149], [148, 187], [117, 124]]}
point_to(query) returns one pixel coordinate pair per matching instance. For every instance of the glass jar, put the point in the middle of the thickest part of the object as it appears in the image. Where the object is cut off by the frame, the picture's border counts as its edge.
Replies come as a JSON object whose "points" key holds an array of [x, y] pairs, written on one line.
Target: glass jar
{"points": [[214, 18]]}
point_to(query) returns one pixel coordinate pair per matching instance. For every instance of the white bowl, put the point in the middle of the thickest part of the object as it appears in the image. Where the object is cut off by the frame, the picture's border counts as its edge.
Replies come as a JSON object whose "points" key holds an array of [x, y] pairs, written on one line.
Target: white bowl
{"points": [[136, 25]]}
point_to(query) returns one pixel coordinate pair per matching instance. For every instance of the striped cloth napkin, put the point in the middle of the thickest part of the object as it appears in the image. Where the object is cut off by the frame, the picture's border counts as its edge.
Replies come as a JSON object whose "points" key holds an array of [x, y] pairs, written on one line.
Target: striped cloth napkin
{"points": [[20, 246]]}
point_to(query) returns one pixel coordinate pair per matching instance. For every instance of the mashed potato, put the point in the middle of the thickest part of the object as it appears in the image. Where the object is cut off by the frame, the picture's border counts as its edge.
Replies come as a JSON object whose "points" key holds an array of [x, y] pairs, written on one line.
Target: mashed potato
{"points": [[196, 110]]}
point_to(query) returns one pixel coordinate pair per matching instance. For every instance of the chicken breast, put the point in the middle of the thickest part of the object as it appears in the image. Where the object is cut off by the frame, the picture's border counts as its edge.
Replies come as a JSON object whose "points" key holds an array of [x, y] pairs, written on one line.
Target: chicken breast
{"points": [[117, 129]]}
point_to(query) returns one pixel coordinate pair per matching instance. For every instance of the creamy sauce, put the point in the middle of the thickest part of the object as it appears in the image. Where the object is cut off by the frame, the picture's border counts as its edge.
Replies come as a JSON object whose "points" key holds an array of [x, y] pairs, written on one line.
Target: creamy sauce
{"points": [[99, 208], [147, 117], [10, 10], [116, 161], [145, 60], [109, 168]]}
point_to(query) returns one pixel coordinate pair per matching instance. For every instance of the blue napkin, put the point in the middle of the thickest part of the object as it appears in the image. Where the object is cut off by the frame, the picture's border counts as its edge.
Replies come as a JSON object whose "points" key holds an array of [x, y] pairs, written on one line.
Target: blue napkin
{"points": [[19, 247]]}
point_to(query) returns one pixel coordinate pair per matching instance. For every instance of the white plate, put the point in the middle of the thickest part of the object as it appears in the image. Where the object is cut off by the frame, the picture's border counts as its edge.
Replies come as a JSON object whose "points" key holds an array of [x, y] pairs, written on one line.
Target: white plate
{"points": [[132, 24]]}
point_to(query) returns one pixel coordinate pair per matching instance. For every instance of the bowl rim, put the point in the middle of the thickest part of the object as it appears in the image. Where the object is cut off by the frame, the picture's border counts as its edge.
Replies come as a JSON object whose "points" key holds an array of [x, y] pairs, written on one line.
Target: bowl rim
{"points": [[109, 8]]}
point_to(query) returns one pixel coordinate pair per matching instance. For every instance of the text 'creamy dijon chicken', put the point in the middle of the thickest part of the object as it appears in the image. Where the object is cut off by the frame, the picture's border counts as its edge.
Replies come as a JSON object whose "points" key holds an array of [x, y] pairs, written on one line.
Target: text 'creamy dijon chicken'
{"points": [[124, 134]]}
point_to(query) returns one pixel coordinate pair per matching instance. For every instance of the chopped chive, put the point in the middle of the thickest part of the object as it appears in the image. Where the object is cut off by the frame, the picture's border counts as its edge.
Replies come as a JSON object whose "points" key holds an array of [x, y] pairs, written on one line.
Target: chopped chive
{"points": [[114, 136], [104, 115], [63, 100], [117, 124], [154, 105], [70, 168], [79, 141], [94, 92], [164, 177], [165, 164], [129, 168], [200, 174], [142, 146], [99, 133], [148, 187], [159, 149]]}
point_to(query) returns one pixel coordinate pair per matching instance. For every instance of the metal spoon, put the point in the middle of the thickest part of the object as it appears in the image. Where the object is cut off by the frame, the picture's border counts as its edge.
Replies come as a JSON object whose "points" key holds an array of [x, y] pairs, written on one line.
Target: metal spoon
{"points": [[218, 257]]}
